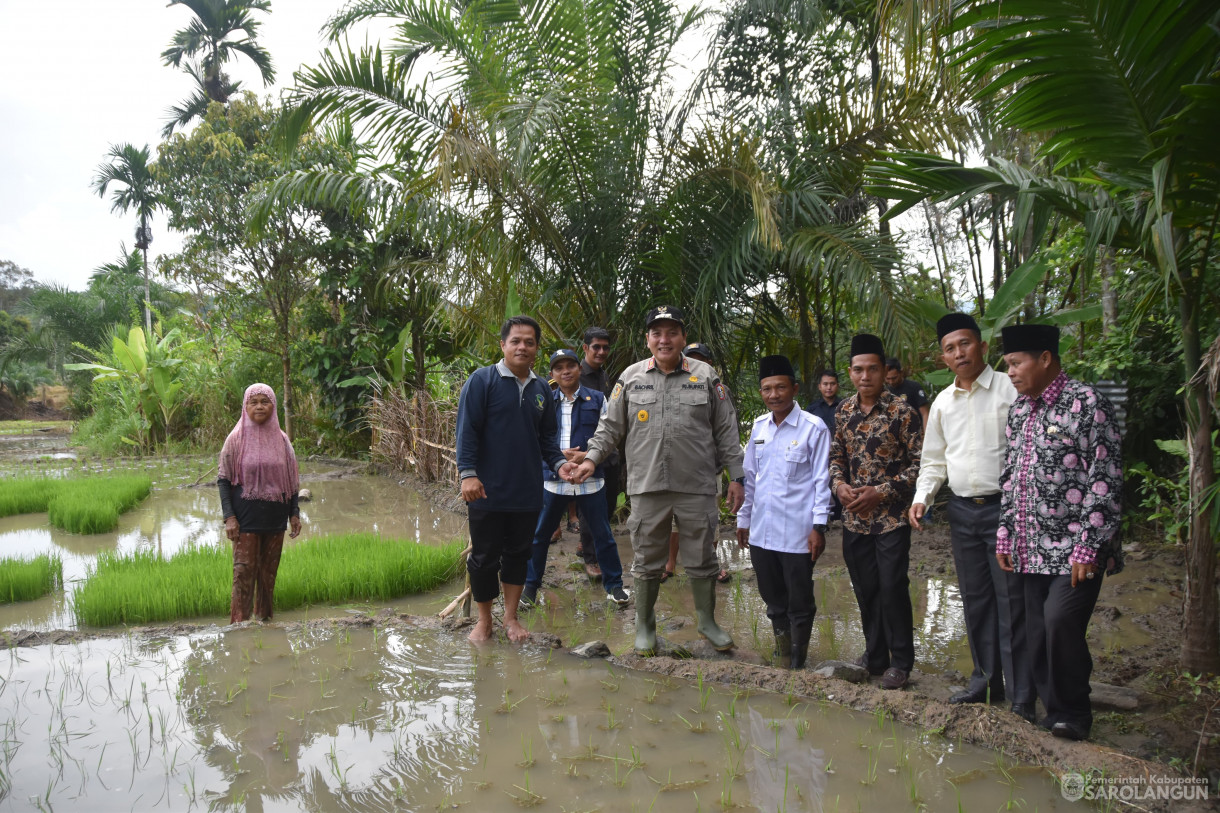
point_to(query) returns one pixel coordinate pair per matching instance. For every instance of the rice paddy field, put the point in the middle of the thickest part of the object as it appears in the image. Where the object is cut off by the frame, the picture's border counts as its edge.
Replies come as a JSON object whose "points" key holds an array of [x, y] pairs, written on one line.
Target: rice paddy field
{"points": [[348, 717], [142, 587], [327, 709], [85, 505]]}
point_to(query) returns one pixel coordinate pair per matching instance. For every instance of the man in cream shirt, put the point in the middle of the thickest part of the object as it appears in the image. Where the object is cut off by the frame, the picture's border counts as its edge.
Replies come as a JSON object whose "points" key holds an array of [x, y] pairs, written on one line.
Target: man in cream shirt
{"points": [[964, 444]]}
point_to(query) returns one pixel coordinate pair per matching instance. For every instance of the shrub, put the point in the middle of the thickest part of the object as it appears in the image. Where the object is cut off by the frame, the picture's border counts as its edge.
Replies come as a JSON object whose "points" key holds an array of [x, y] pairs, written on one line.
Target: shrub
{"points": [[141, 587], [26, 580]]}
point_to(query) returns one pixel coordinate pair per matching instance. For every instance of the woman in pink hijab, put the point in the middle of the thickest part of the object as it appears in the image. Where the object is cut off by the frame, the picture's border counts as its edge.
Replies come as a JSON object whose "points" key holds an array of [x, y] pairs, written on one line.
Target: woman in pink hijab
{"points": [[259, 481]]}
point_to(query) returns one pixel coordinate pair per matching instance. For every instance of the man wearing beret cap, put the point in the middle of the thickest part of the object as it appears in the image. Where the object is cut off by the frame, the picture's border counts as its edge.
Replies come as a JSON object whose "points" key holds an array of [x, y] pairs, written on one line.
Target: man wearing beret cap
{"points": [[964, 444], [679, 428], [874, 460], [783, 520], [1060, 515]]}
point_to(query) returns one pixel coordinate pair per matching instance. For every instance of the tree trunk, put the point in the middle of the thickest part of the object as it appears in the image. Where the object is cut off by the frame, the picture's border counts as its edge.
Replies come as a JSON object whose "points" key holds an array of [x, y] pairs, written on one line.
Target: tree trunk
{"points": [[1201, 613], [805, 329], [1109, 297], [147, 302], [287, 399]]}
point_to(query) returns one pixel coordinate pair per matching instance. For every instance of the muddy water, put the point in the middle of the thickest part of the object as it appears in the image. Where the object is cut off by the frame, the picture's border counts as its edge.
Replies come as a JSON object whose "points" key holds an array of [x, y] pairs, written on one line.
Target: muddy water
{"points": [[363, 719], [172, 518], [571, 610]]}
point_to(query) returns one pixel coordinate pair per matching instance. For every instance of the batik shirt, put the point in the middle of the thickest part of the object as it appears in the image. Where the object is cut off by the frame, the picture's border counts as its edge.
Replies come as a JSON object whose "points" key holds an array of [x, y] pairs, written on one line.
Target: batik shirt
{"points": [[877, 448], [1061, 487]]}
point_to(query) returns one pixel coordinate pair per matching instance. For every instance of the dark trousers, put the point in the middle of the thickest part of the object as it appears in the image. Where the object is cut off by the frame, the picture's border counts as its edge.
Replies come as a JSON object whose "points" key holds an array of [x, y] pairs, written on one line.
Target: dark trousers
{"points": [[994, 604], [1056, 619], [499, 549], [593, 518], [785, 582], [609, 493], [878, 564], [256, 560]]}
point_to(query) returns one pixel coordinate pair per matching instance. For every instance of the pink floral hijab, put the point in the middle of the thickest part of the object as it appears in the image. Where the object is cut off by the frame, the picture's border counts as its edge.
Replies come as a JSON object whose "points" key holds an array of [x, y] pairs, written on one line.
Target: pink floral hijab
{"points": [[259, 458]]}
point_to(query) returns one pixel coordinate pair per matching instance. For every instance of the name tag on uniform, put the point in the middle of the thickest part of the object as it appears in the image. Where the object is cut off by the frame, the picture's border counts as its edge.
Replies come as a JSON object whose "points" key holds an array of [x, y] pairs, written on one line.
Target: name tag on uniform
{"points": [[761, 440]]}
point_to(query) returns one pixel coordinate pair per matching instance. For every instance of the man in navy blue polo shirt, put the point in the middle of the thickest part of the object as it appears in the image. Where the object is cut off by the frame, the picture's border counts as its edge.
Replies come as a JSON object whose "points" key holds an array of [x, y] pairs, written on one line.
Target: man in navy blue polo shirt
{"points": [[579, 410], [506, 428]]}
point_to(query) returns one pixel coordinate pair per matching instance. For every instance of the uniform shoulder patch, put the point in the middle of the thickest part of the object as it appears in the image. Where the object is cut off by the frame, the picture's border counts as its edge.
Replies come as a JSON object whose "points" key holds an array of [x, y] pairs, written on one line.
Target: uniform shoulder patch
{"points": [[617, 391], [721, 392]]}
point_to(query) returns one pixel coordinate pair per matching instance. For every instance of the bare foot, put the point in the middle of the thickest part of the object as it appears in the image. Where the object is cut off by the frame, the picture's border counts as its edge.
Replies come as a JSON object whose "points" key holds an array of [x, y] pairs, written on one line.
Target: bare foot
{"points": [[516, 632], [482, 632]]}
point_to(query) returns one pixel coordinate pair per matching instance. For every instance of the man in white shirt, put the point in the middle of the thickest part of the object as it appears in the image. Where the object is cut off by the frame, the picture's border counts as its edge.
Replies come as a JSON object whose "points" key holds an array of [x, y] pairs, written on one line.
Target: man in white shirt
{"points": [[783, 519], [964, 444]]}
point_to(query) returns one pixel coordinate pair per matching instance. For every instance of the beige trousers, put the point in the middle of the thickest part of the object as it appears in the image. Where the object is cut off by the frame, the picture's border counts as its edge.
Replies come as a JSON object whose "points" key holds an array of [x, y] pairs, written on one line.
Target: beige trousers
{"points": [[652, 516]]}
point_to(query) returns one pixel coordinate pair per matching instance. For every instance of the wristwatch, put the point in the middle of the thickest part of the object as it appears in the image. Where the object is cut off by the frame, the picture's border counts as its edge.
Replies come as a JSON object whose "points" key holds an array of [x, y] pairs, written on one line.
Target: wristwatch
{"points": [[820, 527], [741, 481]]}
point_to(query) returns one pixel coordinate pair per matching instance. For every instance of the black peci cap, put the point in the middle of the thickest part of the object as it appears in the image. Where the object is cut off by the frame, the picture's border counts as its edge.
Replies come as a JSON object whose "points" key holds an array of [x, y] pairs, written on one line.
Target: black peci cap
{"points": [[1030, 338], [775, 365], [864, 344], [953, 322]]}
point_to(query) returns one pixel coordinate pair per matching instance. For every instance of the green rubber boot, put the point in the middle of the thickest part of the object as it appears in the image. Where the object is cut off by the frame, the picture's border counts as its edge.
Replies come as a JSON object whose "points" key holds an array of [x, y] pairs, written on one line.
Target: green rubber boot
{"points": [[704, 591], [783, 648], [646, 591]]}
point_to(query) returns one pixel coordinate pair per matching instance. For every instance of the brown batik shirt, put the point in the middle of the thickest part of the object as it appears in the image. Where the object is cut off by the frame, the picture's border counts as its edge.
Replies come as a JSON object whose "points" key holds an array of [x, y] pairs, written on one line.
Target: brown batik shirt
{"points": [[878, 448]]}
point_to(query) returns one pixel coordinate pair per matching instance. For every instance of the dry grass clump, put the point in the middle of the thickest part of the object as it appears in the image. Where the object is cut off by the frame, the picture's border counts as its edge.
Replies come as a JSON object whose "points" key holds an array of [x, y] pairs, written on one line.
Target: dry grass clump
{"points": [[415, 433]]}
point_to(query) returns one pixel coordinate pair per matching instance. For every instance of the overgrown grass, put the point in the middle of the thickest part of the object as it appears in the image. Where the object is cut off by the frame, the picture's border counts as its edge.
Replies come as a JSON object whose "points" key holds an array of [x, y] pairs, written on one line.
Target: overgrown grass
{"points": [[88, 505], [140, 588], [26, 580]]}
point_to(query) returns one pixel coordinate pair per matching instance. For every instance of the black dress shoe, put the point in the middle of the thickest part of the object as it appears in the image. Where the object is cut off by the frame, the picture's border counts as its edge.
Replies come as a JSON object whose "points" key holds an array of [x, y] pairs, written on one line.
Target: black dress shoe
{"points": [[1067, 730], [1026, 712], [968, 696]]}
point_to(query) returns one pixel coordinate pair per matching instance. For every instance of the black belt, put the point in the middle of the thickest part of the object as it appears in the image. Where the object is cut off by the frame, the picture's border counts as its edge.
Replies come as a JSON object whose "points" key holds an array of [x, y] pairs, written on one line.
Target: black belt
{"points": [[989, 499]]}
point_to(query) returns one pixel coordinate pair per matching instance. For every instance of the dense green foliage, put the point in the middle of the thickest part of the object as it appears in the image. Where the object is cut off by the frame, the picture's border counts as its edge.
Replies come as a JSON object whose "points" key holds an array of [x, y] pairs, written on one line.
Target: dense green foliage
{"points": [[89, 505], [142, 587], [28, 579]]}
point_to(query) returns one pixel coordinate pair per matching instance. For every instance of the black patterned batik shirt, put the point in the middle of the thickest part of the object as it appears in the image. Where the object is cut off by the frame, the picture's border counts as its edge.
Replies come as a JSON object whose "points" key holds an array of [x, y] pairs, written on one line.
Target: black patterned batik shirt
{"points": [[878, 448]]}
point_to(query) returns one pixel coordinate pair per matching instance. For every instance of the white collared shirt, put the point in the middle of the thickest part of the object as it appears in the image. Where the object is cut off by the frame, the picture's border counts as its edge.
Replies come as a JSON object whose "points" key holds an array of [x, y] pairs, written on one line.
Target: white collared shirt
{"points": [[787, 481], [964, 439]]}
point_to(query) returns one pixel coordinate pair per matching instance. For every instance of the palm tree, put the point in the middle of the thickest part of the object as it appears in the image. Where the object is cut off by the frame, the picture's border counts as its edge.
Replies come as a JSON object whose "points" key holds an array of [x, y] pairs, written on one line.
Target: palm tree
{"points": [[1127, 96], [556, 158], [196, 105], [207, 40], [129, 166]]}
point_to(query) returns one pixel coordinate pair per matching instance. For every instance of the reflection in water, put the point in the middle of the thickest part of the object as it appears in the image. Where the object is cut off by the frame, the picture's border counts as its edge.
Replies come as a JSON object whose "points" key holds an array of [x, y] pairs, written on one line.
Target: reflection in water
{"points": [[338, 719], [172, 518]]}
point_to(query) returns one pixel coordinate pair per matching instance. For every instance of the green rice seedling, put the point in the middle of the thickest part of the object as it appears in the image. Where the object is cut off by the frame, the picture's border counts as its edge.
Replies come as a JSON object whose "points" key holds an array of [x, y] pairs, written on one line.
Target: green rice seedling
{"points": [[26, 495], [92, 505], [141, 587], [25, 580]]}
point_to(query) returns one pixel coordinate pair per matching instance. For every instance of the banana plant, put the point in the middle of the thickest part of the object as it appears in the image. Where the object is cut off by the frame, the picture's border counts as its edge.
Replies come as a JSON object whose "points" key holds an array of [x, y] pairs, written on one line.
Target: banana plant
{"points": [[152, 373]]}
